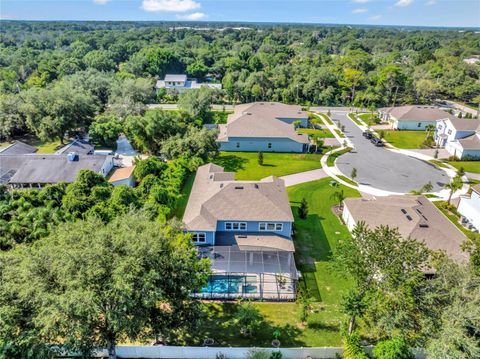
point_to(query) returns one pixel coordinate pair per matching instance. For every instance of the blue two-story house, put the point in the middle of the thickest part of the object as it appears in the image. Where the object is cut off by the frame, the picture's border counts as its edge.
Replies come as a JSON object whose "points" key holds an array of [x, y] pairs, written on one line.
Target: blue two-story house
{"points": [[245, 228], [264, 126]]}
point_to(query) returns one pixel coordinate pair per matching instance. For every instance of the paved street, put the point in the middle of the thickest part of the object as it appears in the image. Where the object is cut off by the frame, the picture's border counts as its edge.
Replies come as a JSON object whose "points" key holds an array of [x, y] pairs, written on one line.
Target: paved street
{"points": [[384, 169]]}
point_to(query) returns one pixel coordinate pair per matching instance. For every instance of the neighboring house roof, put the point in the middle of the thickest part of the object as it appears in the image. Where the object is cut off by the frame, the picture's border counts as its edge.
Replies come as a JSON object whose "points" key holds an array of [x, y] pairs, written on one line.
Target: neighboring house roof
{"points": [[416, 113], [217, 196], [463, 124], [122, 174], [18, 148], [176, 78], [77, 146], [415, 217], [36, 168], [471, 142], [262, 119]]}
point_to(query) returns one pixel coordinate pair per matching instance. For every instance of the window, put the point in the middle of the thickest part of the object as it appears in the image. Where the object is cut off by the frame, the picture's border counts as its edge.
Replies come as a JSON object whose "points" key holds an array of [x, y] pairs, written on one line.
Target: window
{"points": [[269, 145], [238, 144], [439, 127], [235, 226], [199, 237], [419, 124], [449, 132], [270, 226]]}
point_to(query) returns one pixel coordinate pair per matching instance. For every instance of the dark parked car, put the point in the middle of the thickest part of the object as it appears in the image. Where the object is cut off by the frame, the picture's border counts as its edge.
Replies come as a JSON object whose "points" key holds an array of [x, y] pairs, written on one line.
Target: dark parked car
{"points": [[377, 142], [367, 134]]}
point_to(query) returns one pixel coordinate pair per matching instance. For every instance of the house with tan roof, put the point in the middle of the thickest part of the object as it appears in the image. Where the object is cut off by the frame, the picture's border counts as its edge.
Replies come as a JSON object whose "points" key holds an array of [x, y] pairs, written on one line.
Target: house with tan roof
{"points": [[459, 136], [264, 126], [245, 228], [412, 117], [414, 216], [123, 176]]}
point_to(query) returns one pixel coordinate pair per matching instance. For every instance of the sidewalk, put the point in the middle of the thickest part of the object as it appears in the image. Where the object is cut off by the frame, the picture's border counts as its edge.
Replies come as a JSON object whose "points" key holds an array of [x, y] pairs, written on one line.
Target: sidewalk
{"points": [[302, 177]]}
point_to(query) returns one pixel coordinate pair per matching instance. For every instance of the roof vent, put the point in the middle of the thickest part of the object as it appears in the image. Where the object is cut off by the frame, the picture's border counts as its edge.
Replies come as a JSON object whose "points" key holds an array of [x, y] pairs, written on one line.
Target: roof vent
{"points": [[238, 187], [404, 211], [256, 185], [242, 236], [221, 185], [249, 113], [423, 225], [408, 217]]}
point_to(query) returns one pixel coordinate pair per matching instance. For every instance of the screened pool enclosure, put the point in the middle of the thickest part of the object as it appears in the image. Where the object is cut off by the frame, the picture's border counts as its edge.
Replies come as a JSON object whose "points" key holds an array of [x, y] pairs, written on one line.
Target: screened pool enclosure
{"points": [[259, 274]]}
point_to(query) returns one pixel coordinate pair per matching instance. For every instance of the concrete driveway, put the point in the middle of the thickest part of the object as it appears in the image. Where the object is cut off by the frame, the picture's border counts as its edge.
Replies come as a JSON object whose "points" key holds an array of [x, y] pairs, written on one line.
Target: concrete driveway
{"points": [[384, 169]]}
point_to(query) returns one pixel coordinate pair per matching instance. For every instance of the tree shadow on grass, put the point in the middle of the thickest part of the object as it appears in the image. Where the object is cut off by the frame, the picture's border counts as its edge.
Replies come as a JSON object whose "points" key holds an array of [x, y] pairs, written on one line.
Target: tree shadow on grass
{"points": [[219, 324], [231, 163]]}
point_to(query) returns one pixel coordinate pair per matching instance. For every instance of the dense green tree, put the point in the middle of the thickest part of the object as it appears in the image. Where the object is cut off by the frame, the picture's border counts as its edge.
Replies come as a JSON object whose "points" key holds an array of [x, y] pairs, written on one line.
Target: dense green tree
{"points": [[196, 103], [97, 284], [105, 130], [100, 60]]}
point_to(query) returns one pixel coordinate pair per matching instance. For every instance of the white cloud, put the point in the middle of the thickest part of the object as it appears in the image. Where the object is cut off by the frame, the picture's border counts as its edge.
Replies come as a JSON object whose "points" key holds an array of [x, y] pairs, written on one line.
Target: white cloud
{"points": [[169, 5], [101, 2], [403, 3], [359, 11], [192, 17], [375, 18], [361, 1], [431, 2]]}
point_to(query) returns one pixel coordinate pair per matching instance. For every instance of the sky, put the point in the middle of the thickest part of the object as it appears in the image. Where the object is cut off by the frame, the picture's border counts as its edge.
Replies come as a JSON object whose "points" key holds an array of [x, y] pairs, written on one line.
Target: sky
{"points": [[452, 13]]}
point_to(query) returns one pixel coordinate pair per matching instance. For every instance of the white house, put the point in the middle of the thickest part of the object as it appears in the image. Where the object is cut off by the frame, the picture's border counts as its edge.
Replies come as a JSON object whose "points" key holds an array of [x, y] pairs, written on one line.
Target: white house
{"points": [[412, 117], [182, 83], [459, 136], [469, 207]]}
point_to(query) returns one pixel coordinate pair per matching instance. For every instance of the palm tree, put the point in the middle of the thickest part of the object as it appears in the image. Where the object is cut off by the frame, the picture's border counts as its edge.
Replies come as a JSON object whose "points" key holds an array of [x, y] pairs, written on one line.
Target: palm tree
{"points": [[454, 186], [429, 128], [339, 196]]}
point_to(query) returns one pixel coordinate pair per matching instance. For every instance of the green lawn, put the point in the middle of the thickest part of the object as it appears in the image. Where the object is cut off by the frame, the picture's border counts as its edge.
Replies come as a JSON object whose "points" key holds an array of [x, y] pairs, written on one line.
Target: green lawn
{"points": [[315, 240], [182, 201], [323, 133], [278, 164], [331, 159], [354, 119], [405, 139], [326, 118], [453, 215], [368, 119], [42, 146], [468, 166]]}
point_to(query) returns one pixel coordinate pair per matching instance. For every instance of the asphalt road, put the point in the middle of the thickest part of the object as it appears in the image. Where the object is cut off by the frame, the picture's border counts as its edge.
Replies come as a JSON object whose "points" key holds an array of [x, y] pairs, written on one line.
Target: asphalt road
{"points": [[384, 169]]}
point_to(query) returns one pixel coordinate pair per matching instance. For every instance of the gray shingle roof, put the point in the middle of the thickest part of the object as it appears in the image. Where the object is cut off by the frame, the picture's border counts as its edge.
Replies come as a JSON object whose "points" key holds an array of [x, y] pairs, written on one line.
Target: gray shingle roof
{"points": [[36, 168], [463, 124], [427, 223], [416, 113], [471, 142], [176, 78], [78, 146], [216, 196], [262, 119], [18, 148]]}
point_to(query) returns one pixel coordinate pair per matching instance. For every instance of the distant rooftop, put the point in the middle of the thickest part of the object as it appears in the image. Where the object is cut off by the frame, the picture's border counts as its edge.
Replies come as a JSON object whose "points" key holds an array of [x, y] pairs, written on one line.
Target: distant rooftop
{"points": [[176, 78], [77, 146], [416, 113], [18, 148], [463, 124]]}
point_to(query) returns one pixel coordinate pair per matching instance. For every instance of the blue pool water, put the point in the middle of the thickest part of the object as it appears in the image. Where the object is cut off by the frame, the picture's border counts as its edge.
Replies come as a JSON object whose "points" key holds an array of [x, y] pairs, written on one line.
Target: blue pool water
{"points": [[229, 284]]}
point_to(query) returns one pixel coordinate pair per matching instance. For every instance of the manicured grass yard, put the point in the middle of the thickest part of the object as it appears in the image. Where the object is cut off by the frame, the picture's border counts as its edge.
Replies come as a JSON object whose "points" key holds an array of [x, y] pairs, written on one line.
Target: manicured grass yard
{"points": [[368, 119], [183, 200], [315, 240], [468, 166], [42, 147], [323, 133], [405, 139], [278, 164], [331, 159]]}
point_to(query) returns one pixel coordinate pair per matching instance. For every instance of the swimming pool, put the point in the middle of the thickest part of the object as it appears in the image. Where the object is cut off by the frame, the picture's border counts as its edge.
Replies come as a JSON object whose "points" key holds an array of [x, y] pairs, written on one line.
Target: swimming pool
{"points": [[222, 284]]}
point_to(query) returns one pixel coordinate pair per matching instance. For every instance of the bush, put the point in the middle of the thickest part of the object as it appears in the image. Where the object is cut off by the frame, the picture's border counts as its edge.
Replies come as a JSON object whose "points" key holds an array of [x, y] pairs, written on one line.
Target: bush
{"points": [[395, 348], [303, 209], [353, 348]]}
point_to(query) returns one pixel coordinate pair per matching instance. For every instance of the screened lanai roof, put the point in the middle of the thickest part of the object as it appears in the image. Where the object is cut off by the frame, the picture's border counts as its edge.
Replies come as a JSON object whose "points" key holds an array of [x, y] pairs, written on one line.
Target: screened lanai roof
{"points": [[231, 259]]}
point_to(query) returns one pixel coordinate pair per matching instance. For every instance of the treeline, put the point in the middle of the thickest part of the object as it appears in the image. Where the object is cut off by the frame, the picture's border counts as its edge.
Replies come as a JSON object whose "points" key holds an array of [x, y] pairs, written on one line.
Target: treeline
{"points": [[29, 215], [101, 66]]}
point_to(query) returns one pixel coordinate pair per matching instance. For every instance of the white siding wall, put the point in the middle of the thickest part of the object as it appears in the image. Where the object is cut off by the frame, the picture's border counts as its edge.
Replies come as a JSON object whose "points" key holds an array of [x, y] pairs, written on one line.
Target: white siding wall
{"points": [[470, 209], [413, 125], [127, 181], [348, 219], [107, 166]]}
